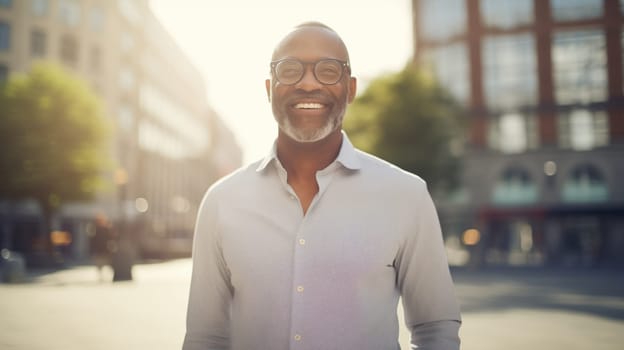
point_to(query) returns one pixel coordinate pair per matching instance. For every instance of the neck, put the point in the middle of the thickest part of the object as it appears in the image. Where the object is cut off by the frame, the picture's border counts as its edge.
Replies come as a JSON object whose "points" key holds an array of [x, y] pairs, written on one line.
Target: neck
{"points": [[305, 159]]}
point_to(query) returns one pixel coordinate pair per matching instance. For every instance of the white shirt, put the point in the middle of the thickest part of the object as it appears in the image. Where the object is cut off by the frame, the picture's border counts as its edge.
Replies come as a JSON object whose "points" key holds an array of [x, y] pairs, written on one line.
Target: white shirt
{"points": [[268, 277]]}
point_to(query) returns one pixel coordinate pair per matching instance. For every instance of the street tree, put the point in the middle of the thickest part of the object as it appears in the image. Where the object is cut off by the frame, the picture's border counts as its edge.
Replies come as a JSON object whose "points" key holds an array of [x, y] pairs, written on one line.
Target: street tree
{"points": [[408, 119], [54, 139]]}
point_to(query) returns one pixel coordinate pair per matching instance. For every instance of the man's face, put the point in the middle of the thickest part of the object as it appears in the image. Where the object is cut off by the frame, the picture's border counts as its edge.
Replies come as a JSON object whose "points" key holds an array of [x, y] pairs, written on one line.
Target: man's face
{"points": [[309, 111]]}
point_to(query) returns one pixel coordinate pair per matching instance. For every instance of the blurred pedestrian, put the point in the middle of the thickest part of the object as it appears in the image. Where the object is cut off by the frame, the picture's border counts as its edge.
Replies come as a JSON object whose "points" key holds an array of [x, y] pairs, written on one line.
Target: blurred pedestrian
{"points": [[311, 247], [101, 244]]}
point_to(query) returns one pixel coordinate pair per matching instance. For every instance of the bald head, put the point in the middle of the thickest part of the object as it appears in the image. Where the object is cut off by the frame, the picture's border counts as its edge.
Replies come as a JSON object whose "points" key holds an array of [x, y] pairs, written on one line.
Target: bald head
{"points": [[309, 34]]}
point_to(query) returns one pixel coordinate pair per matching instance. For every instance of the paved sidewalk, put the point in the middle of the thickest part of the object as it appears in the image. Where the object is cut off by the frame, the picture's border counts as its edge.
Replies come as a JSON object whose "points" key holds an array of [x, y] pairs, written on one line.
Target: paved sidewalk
{"points": [[503, 309], [72, 310], [541, 309]]}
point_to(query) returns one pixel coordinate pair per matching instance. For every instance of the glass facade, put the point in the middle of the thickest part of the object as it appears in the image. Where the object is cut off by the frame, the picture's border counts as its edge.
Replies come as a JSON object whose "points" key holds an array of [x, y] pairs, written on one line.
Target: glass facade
{"points": [[509, 71], [582, 129], [442, 19], [506, 14], [570, 10], [579, 66], [450, 64]]}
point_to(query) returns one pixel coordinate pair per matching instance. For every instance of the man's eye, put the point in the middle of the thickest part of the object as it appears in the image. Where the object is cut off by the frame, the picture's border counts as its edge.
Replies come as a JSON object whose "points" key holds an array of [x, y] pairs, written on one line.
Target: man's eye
{"points": [[290, 72]]}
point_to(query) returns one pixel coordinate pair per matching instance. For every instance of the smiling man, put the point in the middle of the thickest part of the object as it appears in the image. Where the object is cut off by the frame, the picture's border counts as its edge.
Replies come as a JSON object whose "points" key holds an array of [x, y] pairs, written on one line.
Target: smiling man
{"points": [[312, 246]]}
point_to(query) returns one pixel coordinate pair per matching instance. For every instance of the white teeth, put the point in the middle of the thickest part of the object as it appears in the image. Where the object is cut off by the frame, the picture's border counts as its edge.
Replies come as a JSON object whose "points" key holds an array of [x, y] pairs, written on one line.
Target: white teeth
{"points": [[308, 105]]}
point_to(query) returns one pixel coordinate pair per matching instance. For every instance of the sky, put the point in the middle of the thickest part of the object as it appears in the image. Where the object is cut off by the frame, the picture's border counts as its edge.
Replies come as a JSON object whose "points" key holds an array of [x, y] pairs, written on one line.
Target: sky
{"points": [[230, 43]]}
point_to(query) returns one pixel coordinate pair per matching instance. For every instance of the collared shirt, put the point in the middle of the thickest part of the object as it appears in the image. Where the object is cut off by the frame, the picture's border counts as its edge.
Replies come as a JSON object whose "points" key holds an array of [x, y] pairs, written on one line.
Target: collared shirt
{"points": [[268, 277]]}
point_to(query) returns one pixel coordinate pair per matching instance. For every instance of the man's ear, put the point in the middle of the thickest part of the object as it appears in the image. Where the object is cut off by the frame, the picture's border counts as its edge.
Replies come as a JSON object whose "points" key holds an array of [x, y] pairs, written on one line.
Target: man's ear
{"points": [[352, 89], [267, 84]]}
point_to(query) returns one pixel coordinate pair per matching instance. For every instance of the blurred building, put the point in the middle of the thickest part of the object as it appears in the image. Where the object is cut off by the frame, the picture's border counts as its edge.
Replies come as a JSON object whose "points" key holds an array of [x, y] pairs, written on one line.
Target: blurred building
{"points": [[169, 144], [542, 81]]}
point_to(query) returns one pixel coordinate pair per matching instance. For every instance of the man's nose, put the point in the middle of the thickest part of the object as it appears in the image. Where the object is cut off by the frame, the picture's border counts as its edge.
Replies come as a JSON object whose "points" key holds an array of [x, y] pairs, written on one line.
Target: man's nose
{"points": [[308, 82]]}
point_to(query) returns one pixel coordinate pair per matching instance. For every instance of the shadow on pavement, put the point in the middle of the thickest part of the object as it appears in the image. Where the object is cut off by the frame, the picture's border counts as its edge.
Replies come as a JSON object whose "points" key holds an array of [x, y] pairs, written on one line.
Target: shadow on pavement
{"points": [[596, 292]]}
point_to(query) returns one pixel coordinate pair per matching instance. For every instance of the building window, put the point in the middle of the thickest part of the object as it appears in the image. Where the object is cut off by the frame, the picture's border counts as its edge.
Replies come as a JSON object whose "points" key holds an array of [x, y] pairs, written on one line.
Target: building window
{"points": [[69, 12], [509, 69], [513, 133], [175, 117], [6, 3], [5, 36], [130, 11], [4, 73], [450, 66], [39, 7], [37, 43], [507, 14], [585, 184], [515, 187], [579, 64], [582, 129], [96, 19], [442, 19], [95, 59], [69, 50], [126, 117], [127, 42], [156, 139], [570, 10], [126, 78]]}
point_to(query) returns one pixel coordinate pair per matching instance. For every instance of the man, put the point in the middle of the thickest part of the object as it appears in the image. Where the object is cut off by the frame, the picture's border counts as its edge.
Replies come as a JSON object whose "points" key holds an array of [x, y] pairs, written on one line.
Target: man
{"points": [[311, 247], [101, 243]]}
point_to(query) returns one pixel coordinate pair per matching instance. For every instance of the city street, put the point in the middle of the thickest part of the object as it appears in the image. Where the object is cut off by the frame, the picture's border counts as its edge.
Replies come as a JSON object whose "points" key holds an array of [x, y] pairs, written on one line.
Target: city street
{"points": [[502, 309]]}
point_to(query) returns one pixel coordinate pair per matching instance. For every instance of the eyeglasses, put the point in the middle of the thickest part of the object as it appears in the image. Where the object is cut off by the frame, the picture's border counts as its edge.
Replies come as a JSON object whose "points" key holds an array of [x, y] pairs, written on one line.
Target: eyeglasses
{"points": [[290, 71]]}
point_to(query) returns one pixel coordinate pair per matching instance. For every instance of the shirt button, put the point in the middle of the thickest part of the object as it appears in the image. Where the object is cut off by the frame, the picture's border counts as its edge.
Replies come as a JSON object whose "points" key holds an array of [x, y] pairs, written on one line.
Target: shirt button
{"points": [[297, 337], [302, 241], [299, 289]]}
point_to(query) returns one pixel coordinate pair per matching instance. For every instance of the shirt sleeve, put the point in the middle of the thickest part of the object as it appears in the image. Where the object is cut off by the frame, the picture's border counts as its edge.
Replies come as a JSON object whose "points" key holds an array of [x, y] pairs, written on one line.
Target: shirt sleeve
{"points": [[423, 278], [208, 314]]}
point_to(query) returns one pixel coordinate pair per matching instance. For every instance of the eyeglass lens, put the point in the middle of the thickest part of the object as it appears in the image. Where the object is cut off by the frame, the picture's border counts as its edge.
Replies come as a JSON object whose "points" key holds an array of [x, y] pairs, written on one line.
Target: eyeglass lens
{"points": [[326, 71]]}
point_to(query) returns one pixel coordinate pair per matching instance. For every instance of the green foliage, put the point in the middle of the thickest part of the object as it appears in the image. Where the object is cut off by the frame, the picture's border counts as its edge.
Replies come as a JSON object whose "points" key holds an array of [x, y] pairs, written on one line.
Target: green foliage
{"points": [[408, 119], [53, 136]]}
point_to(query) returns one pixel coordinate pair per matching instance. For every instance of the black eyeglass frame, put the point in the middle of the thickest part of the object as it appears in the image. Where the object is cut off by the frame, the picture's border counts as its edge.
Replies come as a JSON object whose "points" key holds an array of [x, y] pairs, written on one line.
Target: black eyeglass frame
{"points": [[343, 64]]}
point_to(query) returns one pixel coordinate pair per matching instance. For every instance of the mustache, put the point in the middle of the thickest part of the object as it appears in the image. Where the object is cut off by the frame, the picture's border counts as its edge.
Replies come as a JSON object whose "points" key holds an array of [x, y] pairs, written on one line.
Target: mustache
{"points": [[297, 96]]}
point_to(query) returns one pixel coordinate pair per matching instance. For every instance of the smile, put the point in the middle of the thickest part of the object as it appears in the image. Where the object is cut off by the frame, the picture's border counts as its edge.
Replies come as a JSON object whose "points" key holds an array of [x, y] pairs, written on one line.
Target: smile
{"points": [[309, 105]]}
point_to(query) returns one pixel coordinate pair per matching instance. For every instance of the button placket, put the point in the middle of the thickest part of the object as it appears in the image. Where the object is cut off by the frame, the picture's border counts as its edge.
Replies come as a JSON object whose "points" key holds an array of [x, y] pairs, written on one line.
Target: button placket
{"points": [[298, 282]]}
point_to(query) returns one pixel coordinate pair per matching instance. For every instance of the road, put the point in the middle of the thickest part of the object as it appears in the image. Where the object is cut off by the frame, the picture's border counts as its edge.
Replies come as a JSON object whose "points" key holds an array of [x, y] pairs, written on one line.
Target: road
{"points": [[502, 309]]}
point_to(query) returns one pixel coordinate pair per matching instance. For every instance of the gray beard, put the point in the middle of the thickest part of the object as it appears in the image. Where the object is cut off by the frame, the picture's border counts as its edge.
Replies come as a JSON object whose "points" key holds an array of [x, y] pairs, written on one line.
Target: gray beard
{"points": [[308, 136]]}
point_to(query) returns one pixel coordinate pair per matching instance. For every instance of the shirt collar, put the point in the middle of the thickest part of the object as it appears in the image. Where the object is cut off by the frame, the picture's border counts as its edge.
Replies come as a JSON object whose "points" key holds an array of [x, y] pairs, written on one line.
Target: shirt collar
{"points": [[347, 156]]}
